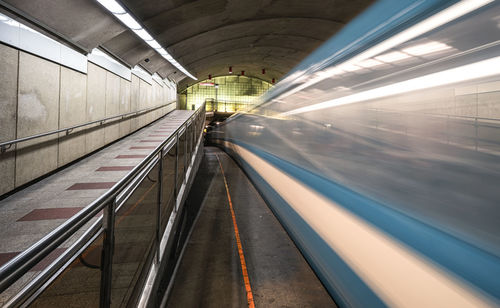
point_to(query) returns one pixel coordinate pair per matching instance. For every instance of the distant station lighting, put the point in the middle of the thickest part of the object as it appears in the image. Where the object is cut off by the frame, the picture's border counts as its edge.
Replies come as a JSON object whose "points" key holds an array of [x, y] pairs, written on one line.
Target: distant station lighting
{"points": [[230, 70], [426, 48], [128, 20]]}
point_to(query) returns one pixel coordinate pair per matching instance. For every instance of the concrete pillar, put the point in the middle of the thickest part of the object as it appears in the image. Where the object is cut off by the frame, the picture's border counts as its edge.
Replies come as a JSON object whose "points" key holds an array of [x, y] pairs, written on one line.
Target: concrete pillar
{"points": [[72, 111], [134, 101], [124, 106], [112, 129], [96, 102], [38, 112], [9, 59]]}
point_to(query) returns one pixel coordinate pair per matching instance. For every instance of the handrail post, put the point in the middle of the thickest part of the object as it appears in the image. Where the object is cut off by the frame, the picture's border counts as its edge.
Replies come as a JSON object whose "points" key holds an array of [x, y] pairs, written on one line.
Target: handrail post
{"points": [[176, 169], [186, 133], [107, 254], [160, 201]]}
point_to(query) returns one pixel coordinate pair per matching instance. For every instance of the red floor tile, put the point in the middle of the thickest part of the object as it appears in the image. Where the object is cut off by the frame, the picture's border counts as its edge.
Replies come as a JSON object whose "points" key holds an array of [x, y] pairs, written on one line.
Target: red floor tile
{"points": [[48, 214], [143, 148], [130, 156], [95, 185], [115, 168]]}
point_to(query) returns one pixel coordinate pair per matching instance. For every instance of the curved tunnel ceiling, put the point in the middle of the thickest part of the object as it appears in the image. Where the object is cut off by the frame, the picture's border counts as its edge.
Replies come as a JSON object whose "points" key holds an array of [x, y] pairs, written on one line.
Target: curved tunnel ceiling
{"points": [[205, 36]]}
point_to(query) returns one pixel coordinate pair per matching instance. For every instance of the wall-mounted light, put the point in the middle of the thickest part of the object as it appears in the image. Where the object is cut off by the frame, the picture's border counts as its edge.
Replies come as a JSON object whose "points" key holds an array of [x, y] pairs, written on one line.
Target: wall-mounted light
{"points": [[128, 20]]}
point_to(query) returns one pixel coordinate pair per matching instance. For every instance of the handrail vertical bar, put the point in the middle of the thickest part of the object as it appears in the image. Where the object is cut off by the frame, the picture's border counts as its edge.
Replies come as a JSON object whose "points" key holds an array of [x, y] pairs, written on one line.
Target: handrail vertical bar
{"points": [[160, 201], [107, 254], [176, 192], [186, 133]]}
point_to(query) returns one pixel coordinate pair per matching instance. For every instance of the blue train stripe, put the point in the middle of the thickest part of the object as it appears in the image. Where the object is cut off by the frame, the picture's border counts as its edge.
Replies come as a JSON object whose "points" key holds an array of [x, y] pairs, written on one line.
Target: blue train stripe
{"points": [[470, 263], [347, 289]]}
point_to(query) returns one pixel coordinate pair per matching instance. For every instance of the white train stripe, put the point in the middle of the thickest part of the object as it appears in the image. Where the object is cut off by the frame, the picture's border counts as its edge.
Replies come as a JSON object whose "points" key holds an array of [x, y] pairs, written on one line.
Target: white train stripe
{"points": [[399, 276]]}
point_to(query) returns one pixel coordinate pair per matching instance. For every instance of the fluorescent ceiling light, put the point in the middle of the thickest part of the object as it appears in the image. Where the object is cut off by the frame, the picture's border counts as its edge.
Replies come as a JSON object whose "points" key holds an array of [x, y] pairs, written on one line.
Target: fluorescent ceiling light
{"points": [[426, 48], [350, 67], [154, 44], [129, 21], [481, 69], [112, 6], [168, 58], [162, 51], [370, 63], [392, 57], [115, 7], [143, 34]]}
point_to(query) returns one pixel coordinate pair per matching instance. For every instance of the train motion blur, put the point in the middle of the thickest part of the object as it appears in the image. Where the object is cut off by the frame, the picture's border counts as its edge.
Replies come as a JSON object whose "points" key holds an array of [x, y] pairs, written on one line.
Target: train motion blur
{"points": [[380, 155]]}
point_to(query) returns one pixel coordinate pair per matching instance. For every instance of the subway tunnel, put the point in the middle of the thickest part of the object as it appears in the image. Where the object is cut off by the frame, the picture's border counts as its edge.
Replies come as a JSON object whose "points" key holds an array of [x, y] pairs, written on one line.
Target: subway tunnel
{"points": [[271, 153]]}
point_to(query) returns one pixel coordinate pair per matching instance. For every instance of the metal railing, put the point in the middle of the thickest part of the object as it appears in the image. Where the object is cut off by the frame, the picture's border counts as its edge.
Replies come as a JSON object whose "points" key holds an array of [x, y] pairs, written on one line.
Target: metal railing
{"points": [[4, 146], [113, 203]]}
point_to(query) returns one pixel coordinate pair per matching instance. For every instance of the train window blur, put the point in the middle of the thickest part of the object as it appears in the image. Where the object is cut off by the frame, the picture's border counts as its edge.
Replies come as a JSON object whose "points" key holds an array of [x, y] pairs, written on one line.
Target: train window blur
{"points": [[403, 132]]}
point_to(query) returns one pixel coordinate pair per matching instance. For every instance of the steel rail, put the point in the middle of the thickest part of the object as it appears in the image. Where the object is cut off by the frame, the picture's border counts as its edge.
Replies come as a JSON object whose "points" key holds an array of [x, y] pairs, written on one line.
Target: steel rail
{"points": [[22, 263], [7, 144]]}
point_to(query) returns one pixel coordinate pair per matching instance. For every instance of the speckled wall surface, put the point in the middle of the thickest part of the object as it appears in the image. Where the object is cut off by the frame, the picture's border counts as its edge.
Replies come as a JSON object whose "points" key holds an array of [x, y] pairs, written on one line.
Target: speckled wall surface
{"points": [[38, 112], [9, 58], [38, 96]]}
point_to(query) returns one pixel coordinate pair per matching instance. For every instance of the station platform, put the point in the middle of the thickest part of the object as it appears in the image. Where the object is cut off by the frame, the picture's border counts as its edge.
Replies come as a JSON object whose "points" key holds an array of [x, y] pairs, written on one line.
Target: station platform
{"points": [[28, 215], [238, 254]]}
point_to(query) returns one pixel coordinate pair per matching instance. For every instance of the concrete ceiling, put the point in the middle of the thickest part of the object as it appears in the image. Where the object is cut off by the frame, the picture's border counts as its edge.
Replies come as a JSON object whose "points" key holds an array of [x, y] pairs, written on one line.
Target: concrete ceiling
{"points": [[205, 36]]}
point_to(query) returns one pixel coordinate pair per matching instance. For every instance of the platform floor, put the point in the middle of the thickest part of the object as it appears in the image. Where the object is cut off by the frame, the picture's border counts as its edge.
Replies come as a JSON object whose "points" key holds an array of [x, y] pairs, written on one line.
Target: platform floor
{"points": [[210, 273], [29, 214]]}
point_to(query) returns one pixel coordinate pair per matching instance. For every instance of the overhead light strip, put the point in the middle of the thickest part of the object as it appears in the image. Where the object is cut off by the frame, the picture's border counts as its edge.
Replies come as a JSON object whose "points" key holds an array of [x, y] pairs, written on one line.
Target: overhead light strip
{"points": [[128, 20], [443, 17], [481, 69]]}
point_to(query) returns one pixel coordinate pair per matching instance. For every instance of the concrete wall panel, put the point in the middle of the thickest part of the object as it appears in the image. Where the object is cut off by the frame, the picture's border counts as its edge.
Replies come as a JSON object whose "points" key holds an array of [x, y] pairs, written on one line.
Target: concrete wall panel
{"points": [[134, 101], [143, 101], [38, 112], [9, 58], [37, 96], [96, 105], [112, 129], [124, 106], [72, 111]]}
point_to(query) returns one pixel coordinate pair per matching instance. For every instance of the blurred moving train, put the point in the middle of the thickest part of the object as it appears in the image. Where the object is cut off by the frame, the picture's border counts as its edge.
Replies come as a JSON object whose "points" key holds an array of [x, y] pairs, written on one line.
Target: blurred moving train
{"points": [[380, 155]]}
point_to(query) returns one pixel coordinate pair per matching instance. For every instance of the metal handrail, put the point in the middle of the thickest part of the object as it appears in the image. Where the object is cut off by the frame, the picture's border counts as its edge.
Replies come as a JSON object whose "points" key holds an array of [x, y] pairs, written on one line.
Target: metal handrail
{"points": [[22, 263], [7, 144]]}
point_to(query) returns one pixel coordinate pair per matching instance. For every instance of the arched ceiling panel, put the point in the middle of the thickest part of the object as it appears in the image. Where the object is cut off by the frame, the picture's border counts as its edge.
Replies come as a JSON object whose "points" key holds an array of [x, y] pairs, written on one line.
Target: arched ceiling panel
{"points": [[205, 36]]}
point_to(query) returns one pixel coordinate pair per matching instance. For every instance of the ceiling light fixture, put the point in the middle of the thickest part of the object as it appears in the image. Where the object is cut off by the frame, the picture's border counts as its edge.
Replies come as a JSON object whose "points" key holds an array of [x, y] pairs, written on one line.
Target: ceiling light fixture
{"points": [[128, 20], [426, 48], [481, 69]]}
